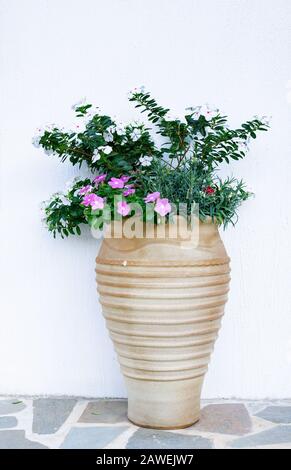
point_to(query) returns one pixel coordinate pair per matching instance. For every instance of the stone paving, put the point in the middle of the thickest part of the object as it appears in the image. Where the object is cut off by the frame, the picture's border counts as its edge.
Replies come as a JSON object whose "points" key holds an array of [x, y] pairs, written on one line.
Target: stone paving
{"points": [[70, 423]]}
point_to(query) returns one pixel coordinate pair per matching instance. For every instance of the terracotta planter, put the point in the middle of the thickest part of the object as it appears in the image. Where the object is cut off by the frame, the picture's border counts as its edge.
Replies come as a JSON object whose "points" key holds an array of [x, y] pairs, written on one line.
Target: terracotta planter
{"points": [[163, 300]]}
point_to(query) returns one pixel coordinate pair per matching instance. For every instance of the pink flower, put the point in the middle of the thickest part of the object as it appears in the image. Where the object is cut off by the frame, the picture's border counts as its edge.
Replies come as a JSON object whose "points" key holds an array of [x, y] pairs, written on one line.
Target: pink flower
{"points": [[163, 207], [123, 208], [85, 190], [88, 199], [99, 178], [96, 202], [116, 183], [128, 192], [152, 197], [125, 178]]}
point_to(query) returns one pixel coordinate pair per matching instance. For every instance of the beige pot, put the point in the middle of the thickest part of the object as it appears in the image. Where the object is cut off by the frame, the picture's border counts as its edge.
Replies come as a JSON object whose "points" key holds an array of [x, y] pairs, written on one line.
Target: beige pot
{"points": [[163, 300]]}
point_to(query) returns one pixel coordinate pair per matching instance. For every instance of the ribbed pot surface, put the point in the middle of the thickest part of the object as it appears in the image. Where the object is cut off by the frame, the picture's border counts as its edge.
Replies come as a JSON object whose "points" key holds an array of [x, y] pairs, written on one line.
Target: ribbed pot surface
{"points": [[163, 301]]}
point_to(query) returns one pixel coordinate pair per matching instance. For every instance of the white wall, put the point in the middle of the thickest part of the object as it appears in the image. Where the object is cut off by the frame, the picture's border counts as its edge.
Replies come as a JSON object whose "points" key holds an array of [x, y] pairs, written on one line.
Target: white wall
{"points": [[233, 53]]}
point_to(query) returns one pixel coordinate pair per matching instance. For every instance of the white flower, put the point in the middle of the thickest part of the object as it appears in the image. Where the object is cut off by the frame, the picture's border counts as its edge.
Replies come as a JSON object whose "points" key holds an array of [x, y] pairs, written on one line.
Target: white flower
{"points": [[196, 115], [70, 184], [242, 144], [106, 149], [264, 119], [140, 89], [82, 102], [120, 128], [169, 116], [204, 110], [55, 196], [49, 152], [86, 118], [51, 127], [42, 207], [96, 156], [250, 189], [174, 117], [194, 111], [190, 109], [59, 198], [136, 134], [92, 112], [36, 141], [208, 112], [65, 201], [107, 135], [146, 160]]}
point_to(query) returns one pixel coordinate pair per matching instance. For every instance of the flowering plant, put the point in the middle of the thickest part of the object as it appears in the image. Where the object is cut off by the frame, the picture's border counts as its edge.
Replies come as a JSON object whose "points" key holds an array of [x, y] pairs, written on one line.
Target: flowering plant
{"points": [[174, 161]]}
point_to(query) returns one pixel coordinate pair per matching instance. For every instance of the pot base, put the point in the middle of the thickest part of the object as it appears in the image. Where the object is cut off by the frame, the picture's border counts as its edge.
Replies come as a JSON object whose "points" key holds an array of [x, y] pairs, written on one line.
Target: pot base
{"points": [[164, 405], [163, 428]]}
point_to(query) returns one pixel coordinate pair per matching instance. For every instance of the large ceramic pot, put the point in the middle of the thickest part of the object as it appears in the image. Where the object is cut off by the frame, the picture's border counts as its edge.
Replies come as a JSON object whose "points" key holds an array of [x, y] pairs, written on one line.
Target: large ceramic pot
{"points": [[163, 300]]}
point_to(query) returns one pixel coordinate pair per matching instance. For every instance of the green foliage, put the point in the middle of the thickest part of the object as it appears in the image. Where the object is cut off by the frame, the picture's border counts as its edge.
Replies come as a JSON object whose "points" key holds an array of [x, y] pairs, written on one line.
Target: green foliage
{"points": [[79, 146], [182, 167], [63, 214]]}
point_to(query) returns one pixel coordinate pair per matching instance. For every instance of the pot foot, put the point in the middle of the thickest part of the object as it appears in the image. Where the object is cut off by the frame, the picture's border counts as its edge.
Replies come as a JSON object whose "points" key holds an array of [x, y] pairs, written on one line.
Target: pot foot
{"points": [[163, 428]]}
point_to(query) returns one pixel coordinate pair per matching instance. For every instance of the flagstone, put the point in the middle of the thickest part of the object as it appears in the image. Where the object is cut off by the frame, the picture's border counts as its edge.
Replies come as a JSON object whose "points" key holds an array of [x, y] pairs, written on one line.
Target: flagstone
{"points": [[232, 418], [50, 413], [155, 439], [91, 437], [276, 414], [17, 440], [105, 411], [7, 422], [275, 435], [8, 407], [256, 406]]}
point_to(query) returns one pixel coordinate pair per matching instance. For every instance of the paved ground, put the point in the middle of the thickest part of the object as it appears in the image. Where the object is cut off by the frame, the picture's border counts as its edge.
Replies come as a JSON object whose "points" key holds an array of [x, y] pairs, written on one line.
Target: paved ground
{"points": [[69, 423]]}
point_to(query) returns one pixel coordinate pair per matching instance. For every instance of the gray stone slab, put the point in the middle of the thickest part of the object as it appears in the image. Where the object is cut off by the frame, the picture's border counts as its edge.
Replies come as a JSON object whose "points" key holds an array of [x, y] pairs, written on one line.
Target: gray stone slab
{"points": [[91, 438], [105, 411], [256, 406], [276, 414], [232, 418], [276, 435], [7, 422], [154, 439], [8, 407], [50, 413], [17, 440]]}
